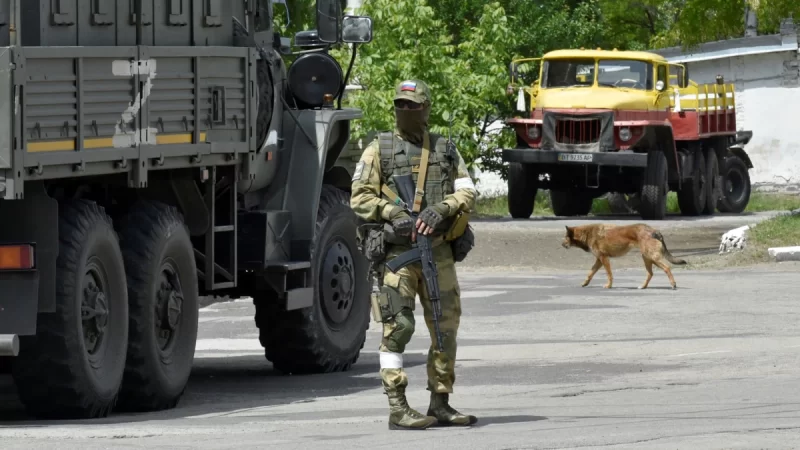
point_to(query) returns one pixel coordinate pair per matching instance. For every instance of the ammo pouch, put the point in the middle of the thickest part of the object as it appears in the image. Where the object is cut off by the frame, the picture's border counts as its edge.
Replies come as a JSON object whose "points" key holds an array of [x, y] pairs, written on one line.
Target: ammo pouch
{"points": [[458, 226], [462, 245], [371, 243]]}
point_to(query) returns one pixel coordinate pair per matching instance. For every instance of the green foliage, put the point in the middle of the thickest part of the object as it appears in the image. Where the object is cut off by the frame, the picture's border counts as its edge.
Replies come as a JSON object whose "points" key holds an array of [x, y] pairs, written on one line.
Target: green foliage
{"points": [[462, 49], [467, 79]]}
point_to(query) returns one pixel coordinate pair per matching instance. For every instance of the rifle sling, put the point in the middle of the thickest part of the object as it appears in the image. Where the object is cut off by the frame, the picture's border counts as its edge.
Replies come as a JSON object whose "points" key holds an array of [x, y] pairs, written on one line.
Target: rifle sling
{"points": [[423, 172]]}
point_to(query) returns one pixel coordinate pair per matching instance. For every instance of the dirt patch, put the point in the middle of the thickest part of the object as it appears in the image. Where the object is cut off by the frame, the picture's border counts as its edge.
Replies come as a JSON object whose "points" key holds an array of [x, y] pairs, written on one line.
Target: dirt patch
{"points": [[540, 249]]}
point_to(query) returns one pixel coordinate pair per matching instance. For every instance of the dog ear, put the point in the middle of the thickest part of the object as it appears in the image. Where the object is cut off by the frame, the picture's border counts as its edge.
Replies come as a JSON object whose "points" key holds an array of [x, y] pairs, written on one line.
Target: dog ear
{"points": [[569, 231]]}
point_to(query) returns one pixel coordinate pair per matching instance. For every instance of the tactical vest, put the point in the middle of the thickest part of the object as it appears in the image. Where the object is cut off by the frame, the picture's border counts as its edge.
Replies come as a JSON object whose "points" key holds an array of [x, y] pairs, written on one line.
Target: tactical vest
{"points": [[400, 157]]}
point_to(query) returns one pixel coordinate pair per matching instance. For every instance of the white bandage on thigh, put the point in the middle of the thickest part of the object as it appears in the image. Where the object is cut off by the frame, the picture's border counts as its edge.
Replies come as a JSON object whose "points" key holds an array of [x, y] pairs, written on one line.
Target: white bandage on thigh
{"points": [[391, 360], [464, 183]]}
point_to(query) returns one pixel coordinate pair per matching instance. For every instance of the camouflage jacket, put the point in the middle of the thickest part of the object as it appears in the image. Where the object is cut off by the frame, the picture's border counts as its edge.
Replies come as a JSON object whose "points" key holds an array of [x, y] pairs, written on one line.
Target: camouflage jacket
{"points": [[447, 180]]}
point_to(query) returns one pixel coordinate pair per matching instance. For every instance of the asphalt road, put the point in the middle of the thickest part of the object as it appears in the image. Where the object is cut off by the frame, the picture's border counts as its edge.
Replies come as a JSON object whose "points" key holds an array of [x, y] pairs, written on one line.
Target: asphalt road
{"points": [[542, 362], [535, 243]]}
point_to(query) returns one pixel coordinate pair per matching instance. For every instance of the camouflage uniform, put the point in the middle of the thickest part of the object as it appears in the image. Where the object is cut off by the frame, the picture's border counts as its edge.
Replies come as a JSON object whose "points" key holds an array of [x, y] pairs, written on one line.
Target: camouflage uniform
{"points": [[448, 190]]}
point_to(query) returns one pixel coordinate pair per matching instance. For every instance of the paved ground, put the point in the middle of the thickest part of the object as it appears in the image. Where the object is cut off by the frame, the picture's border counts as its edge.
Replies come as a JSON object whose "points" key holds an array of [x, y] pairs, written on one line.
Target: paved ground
{"points": [[543, 362], [535, 244]]}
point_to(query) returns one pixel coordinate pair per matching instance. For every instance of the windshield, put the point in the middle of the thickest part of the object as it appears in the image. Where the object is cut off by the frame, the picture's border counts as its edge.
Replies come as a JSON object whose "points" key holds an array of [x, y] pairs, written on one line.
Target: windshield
{"points": [[568, 73], [625, 73], [559, 73]]}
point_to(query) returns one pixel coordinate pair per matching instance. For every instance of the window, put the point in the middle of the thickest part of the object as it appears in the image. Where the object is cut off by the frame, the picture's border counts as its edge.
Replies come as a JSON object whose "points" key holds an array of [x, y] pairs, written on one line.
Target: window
{"points": [[625, 73], [662, 75], [568, 73]]}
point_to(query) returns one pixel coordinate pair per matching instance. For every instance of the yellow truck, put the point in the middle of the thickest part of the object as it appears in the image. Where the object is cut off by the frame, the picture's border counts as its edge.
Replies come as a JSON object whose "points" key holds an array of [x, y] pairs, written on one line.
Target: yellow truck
{"points": [[597, 121]]}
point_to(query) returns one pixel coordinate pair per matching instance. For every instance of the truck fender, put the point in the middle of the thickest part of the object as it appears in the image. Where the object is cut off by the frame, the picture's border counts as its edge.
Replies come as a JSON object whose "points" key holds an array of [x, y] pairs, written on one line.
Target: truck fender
{"points": [[739, 152], [298, 183]]}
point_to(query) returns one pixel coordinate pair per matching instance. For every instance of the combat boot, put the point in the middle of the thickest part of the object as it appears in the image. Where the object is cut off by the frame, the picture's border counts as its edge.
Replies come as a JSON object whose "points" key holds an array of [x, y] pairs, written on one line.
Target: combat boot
{"points": [[445, 414], [402, 416]]}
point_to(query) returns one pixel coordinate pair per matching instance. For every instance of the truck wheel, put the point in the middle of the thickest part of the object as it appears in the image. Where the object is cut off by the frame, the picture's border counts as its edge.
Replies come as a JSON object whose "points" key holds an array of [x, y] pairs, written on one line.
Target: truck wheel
{"points": [[72, 367], [712, 182], [522, 187], [692, 196], [567, 203], [163, 299], [328, 336], [653, 199], [735, 186]]}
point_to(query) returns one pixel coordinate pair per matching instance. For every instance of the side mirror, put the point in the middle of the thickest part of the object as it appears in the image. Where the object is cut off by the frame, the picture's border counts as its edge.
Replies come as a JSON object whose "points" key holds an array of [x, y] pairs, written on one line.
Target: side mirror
{"points": [[329, 13], [356, 29]]}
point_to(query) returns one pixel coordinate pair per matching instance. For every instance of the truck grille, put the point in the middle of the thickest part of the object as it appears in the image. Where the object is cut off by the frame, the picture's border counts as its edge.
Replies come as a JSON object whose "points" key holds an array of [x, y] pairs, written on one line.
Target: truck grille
{"points": [[577, 131]]}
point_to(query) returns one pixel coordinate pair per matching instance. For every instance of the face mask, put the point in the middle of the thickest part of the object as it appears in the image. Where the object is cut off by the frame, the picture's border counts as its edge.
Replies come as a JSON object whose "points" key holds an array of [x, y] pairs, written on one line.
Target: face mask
{"points": [[411, 124]]}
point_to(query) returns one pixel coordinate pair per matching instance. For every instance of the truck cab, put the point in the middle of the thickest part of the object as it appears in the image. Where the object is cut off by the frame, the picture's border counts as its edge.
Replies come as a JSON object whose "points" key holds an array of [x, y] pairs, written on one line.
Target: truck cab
{"points": [[599, 121]]}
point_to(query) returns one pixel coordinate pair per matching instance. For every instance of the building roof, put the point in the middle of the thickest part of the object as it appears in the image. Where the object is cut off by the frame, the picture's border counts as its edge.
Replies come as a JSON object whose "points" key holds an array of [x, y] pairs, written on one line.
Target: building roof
{"points": [[785, 41]]}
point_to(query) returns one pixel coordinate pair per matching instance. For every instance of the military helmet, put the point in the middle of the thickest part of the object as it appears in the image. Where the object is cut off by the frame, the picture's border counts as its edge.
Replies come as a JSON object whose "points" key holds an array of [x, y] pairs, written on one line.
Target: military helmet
{"points": [[414, 90]]}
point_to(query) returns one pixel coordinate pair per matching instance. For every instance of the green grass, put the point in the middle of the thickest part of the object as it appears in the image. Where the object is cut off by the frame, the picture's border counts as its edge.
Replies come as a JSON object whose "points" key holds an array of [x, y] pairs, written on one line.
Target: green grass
{"points": [[494, 207], [782, 231]]}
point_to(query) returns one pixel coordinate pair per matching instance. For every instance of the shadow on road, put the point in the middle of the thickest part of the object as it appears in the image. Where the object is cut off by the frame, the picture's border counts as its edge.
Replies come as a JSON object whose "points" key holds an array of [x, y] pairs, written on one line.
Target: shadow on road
{"points": [[224, 385], [676, 217], [502, 420]]}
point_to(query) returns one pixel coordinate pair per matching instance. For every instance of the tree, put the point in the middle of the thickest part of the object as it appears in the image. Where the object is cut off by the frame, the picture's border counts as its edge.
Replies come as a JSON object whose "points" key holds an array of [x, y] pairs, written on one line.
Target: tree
{"points": [[467, 79]]}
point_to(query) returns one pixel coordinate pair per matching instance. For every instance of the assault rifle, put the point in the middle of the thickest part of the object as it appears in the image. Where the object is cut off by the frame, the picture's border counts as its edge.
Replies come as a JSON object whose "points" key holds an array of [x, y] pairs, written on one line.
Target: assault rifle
{"points": [[422, 252]]}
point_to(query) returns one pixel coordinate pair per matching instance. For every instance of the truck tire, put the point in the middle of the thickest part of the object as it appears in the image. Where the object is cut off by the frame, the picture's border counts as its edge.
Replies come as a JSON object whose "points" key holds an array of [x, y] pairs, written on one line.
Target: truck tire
{"points": [[72, 368], [566, 203], [712, 182], [692, 196], [163, 313], [522, 188], [735, 186], [653, 199], [329, 335]]}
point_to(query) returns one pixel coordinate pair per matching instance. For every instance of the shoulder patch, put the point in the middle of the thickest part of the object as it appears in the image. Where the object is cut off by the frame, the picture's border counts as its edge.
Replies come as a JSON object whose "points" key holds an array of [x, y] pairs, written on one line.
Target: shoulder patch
{"points": [[359, 170]]}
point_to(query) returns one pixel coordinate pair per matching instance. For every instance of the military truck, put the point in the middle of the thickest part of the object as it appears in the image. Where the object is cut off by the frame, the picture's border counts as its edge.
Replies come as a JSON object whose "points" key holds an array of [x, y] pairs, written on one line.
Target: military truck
{"points": [[154, 153], [600, 121]]}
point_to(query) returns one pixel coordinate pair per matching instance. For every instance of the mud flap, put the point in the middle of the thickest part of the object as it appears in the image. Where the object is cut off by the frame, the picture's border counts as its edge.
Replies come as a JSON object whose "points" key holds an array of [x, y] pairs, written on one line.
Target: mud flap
{"points": [[18, 304]]}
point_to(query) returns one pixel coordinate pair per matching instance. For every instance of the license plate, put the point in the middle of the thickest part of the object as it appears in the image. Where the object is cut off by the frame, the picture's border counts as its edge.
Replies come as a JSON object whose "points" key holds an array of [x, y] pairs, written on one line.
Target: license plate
{"points": [[575, 157]]}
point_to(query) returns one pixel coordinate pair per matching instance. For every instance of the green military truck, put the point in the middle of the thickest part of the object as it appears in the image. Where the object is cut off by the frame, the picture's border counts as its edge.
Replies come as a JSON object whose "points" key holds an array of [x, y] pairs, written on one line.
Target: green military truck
{"points": [[156, 152]]}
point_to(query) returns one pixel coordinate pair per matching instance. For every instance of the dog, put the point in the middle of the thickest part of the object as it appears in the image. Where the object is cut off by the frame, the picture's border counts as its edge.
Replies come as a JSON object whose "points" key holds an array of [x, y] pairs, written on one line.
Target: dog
{"points": [[607, 241]]}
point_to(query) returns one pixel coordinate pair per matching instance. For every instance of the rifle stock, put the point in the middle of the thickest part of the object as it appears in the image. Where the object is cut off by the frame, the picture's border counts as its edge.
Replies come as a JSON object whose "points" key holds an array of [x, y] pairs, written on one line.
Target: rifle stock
{"points": [[422, 251]]}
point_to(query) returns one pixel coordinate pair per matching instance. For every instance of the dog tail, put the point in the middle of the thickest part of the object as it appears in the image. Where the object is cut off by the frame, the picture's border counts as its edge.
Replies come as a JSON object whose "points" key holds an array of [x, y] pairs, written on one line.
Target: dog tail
{"points": [[669, 256]]}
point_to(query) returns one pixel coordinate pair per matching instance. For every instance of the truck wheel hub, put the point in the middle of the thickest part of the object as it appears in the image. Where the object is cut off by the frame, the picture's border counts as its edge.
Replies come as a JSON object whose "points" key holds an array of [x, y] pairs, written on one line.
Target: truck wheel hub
{"points": [[337, 281], [169, 308], [94, 313]]}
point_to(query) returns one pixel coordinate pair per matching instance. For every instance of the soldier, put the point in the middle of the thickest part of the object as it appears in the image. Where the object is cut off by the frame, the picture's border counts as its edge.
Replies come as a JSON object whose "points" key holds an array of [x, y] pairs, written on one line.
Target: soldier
{"points": [[449, 195]]}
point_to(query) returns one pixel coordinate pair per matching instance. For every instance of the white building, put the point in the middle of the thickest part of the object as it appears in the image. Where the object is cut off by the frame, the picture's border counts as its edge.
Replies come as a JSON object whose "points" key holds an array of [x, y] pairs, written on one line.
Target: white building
{"points": [[766, 73]]}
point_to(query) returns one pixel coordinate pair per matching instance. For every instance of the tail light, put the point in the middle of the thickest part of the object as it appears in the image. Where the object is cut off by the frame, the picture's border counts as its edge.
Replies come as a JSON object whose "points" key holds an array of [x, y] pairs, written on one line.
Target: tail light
{"points": [[16, 257]]}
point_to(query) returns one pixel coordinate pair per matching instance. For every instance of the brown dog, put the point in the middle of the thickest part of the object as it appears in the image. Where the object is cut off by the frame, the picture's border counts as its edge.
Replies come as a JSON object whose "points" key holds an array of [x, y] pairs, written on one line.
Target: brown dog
{"points": [[606, 241]]}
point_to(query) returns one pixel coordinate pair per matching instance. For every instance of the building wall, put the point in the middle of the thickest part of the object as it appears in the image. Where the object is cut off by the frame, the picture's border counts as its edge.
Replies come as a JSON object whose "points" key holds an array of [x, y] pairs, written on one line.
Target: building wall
{"points": [[767, 103]]}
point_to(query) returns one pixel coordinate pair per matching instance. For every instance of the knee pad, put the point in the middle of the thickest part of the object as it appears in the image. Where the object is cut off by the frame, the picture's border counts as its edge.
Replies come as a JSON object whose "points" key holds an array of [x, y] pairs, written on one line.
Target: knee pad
{"points": [[400, 330], [391, 303]]}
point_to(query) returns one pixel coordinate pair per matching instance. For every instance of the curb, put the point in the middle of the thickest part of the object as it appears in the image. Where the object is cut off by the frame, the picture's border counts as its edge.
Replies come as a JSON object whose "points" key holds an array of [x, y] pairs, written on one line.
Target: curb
{"points": [[780, 254]]}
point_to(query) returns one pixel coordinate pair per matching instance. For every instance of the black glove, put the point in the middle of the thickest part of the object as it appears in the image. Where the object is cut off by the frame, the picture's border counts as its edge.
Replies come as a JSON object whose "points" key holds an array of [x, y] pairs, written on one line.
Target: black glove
{"points": [[432, 216], [402, 223]]}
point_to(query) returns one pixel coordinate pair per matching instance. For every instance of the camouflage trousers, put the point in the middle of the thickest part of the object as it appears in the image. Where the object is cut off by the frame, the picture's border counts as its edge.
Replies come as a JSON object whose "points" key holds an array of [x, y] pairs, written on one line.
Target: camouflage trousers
{"points": [[402, 289]]}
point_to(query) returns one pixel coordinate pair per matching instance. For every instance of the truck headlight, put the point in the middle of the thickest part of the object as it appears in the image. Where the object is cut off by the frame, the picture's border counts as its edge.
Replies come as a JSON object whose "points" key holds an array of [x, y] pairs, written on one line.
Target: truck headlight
{"points": [[625, 134], [533, 132]]}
